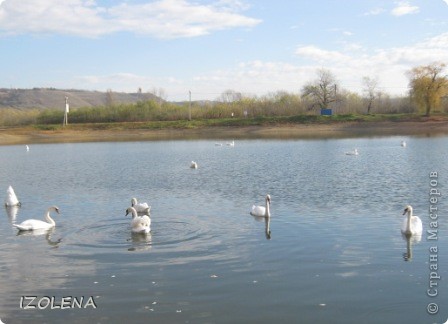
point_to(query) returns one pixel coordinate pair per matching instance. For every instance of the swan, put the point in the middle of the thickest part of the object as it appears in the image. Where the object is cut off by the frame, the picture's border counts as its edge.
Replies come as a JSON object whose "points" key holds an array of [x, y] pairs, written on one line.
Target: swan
{"points": [[412, 225], [403, 143], [193, 165], [34, 224], [218, 144], [354, 152], [140, 207], [11, 198], [262, 211], [139, 224], [232, 143], [27, 148]]}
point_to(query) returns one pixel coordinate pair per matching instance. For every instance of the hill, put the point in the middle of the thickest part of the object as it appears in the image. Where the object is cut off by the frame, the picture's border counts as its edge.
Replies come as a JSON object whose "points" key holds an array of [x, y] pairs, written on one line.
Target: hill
{"points": [[43, 98]]}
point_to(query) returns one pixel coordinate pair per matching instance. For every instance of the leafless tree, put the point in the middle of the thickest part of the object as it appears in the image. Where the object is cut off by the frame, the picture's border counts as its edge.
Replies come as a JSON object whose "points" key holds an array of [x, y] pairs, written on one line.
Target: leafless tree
{"points": [[370, 91], [323, 90]]}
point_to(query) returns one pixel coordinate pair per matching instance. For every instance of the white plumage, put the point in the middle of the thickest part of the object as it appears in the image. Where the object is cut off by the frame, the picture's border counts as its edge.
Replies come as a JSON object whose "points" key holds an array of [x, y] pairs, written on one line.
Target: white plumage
{"points": [[140, 207], [35, 224], [139, 224], [412, 225], [262, 211], [193, 165], [11, 198]]}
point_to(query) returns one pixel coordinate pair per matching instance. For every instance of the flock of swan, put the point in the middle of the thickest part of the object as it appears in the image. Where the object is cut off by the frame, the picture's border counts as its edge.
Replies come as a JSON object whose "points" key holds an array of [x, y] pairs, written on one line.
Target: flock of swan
{"points": [[141, 220]]}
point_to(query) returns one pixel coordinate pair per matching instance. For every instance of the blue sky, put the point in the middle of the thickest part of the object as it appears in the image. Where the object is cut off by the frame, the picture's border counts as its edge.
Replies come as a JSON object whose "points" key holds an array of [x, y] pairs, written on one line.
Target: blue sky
{"points": [[255, 47]]}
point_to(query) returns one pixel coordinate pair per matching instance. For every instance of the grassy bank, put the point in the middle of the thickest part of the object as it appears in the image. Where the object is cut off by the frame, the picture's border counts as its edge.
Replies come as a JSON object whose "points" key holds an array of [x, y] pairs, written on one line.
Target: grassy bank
{"points": [[245, 122], [301, 126]]}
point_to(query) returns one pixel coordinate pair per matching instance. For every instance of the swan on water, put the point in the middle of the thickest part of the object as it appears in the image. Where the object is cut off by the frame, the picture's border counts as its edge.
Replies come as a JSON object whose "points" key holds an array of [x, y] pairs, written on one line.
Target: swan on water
{"points": [[354, 152], [412, 225], [139, 224], [35, 224], [11, 198], [27, 148], [193, 165], [140, 207], [218, 144], [232, 143], [262, 211], [403, 143]]}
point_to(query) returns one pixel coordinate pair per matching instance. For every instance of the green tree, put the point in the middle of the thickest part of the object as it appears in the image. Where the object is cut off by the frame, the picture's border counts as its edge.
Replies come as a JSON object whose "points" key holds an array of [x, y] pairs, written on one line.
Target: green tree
{"points": [[428, 85]]}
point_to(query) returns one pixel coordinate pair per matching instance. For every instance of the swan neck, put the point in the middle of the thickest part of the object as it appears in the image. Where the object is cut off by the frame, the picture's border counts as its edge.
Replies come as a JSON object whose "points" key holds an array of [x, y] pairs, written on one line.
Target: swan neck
{"points": [[134, 213], [268, 212], [408, 227], [49, 219]]}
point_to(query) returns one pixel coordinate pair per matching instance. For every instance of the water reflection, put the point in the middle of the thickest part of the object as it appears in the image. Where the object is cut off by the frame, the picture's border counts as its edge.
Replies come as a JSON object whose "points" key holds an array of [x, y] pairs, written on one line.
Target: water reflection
{"points": [[12, 211], [141, 242], [38, 232], [410, 239], [267, 225]]}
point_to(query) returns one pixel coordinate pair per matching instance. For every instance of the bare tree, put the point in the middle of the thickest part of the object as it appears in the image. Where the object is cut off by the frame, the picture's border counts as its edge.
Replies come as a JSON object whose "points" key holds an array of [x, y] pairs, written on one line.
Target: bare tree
{"points": [[370, 91], [109, 98], [428, 86], [229, 96], [323, 90]]}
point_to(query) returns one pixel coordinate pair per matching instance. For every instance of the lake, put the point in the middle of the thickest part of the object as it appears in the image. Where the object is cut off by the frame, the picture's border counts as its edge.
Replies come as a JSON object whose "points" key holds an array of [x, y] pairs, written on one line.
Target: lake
{"points": [[335, 253]]}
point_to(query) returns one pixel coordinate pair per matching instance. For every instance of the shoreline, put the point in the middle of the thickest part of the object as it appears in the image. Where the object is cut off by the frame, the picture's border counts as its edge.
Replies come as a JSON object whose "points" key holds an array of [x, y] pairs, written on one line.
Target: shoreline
{"points": [[31, 135]]}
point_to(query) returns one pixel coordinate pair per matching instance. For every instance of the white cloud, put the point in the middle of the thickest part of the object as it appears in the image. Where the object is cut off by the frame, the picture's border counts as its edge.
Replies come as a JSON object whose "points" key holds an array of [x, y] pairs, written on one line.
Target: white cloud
{"points": [[404, 8], [160, 19], [314, 53], [446, 1], [375, 12]]}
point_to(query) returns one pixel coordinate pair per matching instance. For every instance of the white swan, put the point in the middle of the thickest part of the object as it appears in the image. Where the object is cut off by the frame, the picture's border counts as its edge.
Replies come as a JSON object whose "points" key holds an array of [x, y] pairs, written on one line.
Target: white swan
{"points": [[354, 152], [11, 198], [403, 143], [140, 207], [139, 224], [232, 143], [262, 211], [193, 165], [412, 225], [34, 224], [27, 148]]}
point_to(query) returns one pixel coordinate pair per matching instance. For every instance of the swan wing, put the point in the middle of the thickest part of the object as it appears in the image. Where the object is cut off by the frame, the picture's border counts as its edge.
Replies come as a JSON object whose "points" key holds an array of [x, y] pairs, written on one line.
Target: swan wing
{"points": [[416, 225], [32, 224], [258, 211]]}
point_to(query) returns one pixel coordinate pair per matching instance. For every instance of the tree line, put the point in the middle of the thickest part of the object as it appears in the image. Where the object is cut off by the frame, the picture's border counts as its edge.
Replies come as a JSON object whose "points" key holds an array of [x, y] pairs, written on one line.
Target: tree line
{"points": [[428, 93]]}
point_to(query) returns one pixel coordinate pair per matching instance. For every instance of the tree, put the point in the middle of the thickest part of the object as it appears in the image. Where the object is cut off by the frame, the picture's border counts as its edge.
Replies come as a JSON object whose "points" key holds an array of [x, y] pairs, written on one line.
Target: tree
{"points": [[230, 96], [428, 86], [109, 98], [370, 85], [323, 90]]}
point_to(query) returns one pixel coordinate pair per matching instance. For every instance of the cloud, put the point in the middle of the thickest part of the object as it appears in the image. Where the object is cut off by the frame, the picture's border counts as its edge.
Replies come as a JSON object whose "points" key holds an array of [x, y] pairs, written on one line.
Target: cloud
{"points": [[375, 11], [404, 8], [446, 1], [159, 19]]}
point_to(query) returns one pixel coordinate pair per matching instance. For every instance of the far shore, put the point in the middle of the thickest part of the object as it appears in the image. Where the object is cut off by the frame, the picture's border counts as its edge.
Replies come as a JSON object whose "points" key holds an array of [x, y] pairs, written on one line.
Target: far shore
{"points": [[73, 134]]}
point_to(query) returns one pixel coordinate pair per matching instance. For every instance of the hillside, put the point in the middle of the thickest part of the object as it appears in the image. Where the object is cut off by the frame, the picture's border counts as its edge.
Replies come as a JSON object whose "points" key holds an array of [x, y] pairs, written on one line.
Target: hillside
{"points": [[42, 98]]}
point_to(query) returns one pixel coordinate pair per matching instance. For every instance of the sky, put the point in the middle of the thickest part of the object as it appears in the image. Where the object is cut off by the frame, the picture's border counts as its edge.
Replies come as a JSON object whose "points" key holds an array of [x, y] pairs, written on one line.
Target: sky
{"points": [[255, 47]]}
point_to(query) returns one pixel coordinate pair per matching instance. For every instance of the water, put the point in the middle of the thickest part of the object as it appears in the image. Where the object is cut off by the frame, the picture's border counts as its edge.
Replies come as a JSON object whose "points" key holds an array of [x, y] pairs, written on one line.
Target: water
{"points": [[335, 254]]}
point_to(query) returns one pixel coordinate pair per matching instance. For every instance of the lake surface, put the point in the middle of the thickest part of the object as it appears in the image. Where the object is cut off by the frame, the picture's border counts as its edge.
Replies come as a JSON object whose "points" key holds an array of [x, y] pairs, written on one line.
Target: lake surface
{"points": [[336, 254]]}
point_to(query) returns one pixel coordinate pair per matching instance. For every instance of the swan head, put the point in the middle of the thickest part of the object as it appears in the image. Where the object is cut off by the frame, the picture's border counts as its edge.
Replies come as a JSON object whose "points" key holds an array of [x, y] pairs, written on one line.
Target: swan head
{"points": [[407, 210], [268, 199], [130, 210], [55, 208], [133, 202]]}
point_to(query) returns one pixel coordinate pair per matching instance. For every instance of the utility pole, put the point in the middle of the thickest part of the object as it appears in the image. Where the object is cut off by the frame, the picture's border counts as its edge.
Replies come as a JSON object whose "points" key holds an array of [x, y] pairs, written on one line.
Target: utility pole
{"points": [[65, 122], [189, 106]]}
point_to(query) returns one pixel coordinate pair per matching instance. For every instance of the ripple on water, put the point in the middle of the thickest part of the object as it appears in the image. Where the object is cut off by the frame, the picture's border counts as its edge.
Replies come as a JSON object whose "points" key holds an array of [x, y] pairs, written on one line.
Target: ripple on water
{"points": [[168, 235]]}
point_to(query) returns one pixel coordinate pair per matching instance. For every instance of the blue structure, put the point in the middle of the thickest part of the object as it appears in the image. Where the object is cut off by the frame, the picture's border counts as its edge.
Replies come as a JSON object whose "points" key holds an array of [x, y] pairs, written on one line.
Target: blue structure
{"points": [[326, 112]]}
